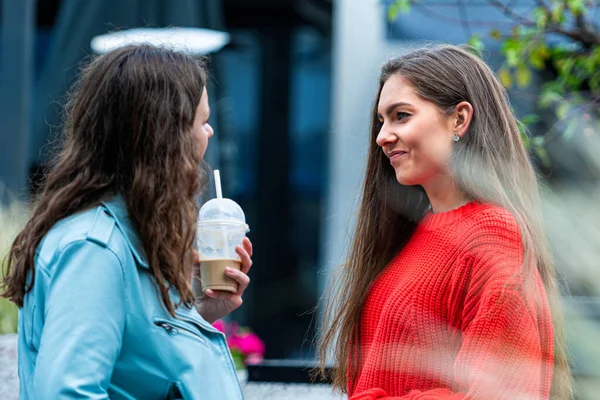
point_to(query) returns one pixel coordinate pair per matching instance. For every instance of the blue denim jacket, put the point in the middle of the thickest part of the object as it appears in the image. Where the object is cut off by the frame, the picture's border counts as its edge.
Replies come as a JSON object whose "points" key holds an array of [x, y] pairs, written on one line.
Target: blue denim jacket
{"points": [[94, 327]]}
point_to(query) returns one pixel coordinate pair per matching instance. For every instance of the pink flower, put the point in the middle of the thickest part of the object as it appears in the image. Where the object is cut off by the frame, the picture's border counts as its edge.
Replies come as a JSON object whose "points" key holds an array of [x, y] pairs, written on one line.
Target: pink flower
{"points": [[247, 343], [220, 325]]}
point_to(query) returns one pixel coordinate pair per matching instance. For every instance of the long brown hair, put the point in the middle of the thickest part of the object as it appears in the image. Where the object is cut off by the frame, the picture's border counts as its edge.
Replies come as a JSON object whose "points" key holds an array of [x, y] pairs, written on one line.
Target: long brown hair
{"points": [[490, 164], [127, 131]]}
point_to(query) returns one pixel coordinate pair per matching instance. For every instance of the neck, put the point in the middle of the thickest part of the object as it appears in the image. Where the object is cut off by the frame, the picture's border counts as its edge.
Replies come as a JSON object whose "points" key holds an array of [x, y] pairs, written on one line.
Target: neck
{"points": [[444, 195]]}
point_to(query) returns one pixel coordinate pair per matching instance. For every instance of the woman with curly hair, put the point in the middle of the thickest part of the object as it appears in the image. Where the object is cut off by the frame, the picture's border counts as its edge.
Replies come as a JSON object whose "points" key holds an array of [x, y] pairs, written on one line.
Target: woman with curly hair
{"points": [[102, 272]]}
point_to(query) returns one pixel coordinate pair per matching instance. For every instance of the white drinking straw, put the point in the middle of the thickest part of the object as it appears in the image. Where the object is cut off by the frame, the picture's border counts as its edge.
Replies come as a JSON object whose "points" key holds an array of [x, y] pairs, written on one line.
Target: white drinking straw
{"points": [[218, 184]]}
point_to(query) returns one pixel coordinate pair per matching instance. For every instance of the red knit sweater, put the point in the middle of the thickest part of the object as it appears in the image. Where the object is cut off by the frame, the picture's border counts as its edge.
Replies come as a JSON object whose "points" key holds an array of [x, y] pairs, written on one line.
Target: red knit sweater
{"points": [[449, 317]]}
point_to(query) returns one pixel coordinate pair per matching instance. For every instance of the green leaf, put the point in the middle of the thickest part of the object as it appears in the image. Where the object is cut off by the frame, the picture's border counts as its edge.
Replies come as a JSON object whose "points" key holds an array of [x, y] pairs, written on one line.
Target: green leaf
{"points": [[530, 119], [544, 50], [562, 110], [558, 13], [574, 81], [505, 77], [393, 11], [476, 42], [512, 48], [590, 64], [542, 155], [541, 17], [536, 61], [548, 98], [404, 6], [509, 43], [399, 7], [525, 137], [577, 7], [238, 359], [595, 56], [538, 56], [565, 66], [595, 83], [523, 75], [512, 57]]}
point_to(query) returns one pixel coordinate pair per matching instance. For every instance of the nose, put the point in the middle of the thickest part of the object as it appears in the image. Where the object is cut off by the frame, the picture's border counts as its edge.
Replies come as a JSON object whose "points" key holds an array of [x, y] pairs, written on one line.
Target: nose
{"points": [[385, 136], [210, 130]]}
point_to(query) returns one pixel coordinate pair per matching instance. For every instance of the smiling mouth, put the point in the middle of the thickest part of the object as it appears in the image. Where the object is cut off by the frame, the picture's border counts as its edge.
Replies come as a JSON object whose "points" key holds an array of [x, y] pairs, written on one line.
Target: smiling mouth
{"points": [[396, 155]]}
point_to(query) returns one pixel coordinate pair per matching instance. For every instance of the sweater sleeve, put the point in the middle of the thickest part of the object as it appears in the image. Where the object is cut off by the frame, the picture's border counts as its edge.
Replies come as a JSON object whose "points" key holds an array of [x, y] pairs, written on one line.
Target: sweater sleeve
{"points": [[506, 334]]}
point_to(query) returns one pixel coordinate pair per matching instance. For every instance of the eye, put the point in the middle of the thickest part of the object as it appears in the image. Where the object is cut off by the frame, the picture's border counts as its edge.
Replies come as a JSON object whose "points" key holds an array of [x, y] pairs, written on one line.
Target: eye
{"points": [[402, 115]]}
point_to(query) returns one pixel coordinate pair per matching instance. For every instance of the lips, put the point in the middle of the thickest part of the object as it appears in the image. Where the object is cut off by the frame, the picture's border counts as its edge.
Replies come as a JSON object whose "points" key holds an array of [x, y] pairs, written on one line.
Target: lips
{"points": [[396, 154]]}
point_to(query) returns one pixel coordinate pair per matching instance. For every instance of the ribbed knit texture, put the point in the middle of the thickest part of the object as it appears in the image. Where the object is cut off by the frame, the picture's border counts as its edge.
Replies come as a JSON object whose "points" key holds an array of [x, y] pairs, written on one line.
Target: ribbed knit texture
{"points": [[450, 317]]}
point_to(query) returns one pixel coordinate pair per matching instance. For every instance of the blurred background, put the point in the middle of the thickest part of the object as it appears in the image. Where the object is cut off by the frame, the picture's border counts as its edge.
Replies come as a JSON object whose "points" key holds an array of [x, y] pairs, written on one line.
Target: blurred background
{"points": [[291, 93]]}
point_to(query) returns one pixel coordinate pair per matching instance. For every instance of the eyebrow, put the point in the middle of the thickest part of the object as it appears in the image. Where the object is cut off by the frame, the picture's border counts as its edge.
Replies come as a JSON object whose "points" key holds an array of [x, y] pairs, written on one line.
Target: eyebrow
{"points": [[391, 107]]}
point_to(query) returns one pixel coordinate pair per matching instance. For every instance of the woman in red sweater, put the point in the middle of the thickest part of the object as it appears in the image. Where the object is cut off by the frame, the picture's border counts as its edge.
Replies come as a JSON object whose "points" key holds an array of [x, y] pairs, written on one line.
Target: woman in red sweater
{"points": [[449, 291]]}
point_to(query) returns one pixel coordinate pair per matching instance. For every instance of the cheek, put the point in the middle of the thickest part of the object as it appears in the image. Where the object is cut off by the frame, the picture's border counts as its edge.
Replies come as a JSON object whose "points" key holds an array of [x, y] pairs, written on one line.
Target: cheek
{"points": [[440, 152], [202, 138], [432, 144], [198, 134], [431, 155], [201, 142]]}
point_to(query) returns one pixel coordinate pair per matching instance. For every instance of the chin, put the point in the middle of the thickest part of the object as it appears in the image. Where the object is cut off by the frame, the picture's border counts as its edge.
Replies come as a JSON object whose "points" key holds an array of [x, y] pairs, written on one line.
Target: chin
{"points": [[407, 180], [199, 155]]}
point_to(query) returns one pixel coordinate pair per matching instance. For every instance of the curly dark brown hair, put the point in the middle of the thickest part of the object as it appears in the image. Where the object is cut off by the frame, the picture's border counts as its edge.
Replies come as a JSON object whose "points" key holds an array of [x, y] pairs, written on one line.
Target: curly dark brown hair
{"points": [[127, 131]]}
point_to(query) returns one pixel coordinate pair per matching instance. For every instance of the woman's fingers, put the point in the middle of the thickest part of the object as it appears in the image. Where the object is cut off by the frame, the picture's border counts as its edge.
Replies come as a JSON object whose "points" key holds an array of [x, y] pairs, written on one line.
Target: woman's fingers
{"points": [[247, 246], [219, 295], [231, 300], [241, 278], [245, 257], [234, 300]]}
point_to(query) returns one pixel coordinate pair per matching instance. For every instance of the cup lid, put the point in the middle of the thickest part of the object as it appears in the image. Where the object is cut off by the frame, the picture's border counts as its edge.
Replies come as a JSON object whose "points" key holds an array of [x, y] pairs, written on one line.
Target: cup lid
{"points": [[221, 210]]}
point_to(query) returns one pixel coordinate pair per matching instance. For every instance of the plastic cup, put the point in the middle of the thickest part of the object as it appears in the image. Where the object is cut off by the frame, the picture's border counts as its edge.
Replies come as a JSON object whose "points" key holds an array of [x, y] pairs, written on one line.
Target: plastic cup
{"points": [[221, 227]]}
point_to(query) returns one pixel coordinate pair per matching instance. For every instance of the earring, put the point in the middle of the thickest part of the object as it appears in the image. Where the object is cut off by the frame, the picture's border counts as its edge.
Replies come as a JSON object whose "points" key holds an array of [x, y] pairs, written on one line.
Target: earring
{"points": [[456, 138]]}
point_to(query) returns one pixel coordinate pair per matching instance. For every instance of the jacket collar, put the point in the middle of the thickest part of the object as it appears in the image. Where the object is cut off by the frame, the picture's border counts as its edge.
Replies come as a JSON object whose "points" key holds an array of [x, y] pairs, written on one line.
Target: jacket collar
{"points": [[117, 208]]}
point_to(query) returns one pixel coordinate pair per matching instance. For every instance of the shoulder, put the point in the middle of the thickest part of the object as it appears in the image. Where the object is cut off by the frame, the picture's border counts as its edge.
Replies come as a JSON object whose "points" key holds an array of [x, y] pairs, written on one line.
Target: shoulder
{"points": [[492, 253], [491, 218], [492, 245], [492, 250], [92, 231], [492, 225]]}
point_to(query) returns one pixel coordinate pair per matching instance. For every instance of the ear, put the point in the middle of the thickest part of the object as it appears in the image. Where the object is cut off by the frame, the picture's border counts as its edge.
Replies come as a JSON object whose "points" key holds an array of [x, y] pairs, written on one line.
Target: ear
{"points": [[462, 116]]}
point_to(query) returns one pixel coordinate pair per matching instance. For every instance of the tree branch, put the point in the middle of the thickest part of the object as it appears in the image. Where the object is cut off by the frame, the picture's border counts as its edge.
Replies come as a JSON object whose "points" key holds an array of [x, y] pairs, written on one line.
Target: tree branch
{"points": [[588, 39], [543, 5], [428, 12], [584, 34], [510, 13], [463, 19], [586, 29]]}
